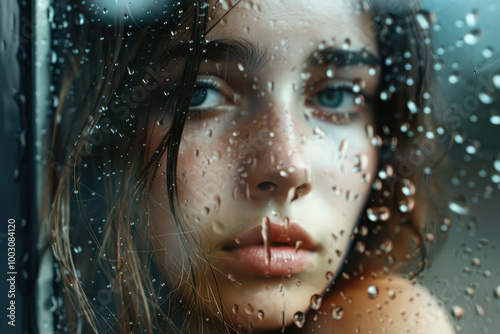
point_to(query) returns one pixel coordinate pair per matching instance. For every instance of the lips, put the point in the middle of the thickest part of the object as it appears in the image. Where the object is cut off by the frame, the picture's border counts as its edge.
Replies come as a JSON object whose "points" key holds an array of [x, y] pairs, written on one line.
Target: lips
{"points": [[289, 249]]}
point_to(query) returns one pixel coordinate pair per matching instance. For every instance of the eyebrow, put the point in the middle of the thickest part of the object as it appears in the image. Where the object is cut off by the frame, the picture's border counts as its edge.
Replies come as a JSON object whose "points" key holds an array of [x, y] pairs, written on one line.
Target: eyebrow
{"points": [[230, 50], [342, 58]]}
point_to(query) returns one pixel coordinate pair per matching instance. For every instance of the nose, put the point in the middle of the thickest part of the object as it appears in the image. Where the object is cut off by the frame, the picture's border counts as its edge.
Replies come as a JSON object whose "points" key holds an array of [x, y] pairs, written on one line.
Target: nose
{"points": [[281, 171]]}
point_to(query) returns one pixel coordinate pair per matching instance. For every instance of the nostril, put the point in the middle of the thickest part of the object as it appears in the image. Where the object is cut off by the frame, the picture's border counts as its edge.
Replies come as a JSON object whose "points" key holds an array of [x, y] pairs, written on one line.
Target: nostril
{"points": [[300, 191], [267, 186]]}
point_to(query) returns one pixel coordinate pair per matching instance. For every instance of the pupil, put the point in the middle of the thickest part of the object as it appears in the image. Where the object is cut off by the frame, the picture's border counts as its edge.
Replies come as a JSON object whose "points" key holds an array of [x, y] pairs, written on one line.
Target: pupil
{"points": [[330, 97], [199, 96]]}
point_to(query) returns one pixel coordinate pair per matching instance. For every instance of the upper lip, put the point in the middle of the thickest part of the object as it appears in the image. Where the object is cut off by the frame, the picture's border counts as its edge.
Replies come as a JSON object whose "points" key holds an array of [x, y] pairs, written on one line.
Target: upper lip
{"points": [[293, 235]]}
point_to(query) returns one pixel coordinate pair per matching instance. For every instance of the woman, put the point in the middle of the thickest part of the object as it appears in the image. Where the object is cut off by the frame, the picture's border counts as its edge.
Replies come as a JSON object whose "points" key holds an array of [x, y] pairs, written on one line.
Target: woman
{"points": [[256, 168]]}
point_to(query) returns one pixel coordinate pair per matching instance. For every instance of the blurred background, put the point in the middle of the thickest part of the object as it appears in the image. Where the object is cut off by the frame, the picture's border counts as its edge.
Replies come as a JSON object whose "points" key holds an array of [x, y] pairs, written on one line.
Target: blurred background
{"points": [[465, 270]]}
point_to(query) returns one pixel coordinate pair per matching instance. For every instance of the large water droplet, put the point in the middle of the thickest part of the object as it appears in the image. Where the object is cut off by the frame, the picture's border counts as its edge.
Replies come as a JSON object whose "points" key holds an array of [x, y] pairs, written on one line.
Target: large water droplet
{"points": [[488, 52], [218, 227], [485, 97], [337, 312], [457, 312], [372, 291], [266, 236], [376, 214], [299, 319], [459, 205], [316, 302], [249, 309], [454, 77], [472, 18], [473, 37]]}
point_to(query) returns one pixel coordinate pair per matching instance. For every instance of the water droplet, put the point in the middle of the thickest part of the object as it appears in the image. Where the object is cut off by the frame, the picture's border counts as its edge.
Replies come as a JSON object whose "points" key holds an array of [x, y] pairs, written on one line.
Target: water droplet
{"points": [[218, 227], [319, 133], [386, 246], [330, 71], [77, 249], [488, 52], [496, 81], [316, 302], [105, 11], [473, 37], [337, 312], [479, 310], [266, 234], [249, 309], [454, 77], [496, 163], [235, 308], [472, 18], [270, 86], [457, 311], [422, 21], [260, 314], [459, 205], [485, 97], [372, 291], [329, 275], [241, 67], [299, 319], [360, 247], [305, 75], [496, 292], [80, 19], [376, 214], [130, 69]]}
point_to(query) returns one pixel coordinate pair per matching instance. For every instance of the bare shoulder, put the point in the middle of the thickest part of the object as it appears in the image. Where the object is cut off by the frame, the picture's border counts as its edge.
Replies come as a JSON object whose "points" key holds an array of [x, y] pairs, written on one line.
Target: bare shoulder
{"points": [[388, 304]]}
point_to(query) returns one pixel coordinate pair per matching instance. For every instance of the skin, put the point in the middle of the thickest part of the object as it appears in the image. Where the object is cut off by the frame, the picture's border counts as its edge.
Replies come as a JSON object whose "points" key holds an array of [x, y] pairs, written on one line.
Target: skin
{"points": [[268, 147]]}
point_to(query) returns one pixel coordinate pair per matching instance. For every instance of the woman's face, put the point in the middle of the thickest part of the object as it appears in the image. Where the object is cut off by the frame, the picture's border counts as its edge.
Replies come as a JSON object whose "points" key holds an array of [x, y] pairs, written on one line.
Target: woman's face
{"points": [[276, 160]]}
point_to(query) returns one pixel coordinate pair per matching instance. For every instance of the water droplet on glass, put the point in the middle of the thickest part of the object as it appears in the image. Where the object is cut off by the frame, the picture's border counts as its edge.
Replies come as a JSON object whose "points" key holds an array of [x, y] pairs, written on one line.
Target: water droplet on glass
{"points": [[372, 291], [488, 52], [305, 75], [376, 214], [457, 312], [473, 37], [496, 81], [422, 21], [299, 319], [472, 18], [496, 292], [266, 237], [105, 11], [454, 77], [316, 302], [80, 19], [77, 249], [459, 205], [260, 314], [330, 72], [337, 312], [319, 133], [218, 227], [270, 86], [249, 309], [235, 308], [241, 67], [485, 97]]}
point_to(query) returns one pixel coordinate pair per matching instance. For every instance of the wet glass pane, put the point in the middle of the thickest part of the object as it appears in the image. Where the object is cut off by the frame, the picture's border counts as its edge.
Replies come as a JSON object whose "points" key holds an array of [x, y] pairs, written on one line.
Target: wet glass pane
{"points": [[262, 166]]}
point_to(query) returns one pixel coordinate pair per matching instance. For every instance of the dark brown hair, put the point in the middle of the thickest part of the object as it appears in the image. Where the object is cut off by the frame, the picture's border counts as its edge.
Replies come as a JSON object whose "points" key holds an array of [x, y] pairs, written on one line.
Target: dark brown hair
{"points": [[98, 222]]}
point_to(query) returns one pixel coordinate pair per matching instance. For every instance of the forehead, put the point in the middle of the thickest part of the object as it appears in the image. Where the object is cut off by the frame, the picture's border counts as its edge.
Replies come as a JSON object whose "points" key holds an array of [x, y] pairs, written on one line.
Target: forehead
{"points": [[294, 26]]}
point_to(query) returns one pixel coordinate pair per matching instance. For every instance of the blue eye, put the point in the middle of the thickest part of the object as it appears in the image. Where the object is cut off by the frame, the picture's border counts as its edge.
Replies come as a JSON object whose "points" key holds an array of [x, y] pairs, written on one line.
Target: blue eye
{"points": [[199, 96], [330, 97], [206, 95]]}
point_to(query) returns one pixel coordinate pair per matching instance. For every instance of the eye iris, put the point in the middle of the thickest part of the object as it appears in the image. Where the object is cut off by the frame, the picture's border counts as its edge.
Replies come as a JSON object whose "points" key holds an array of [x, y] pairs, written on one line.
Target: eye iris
{"points": [[199, 96], [330, 97]]}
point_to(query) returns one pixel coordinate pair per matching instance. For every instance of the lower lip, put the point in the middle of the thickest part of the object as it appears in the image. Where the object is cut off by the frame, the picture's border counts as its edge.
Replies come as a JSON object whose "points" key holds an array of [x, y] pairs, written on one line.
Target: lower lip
{"points": [[284, 260]]}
